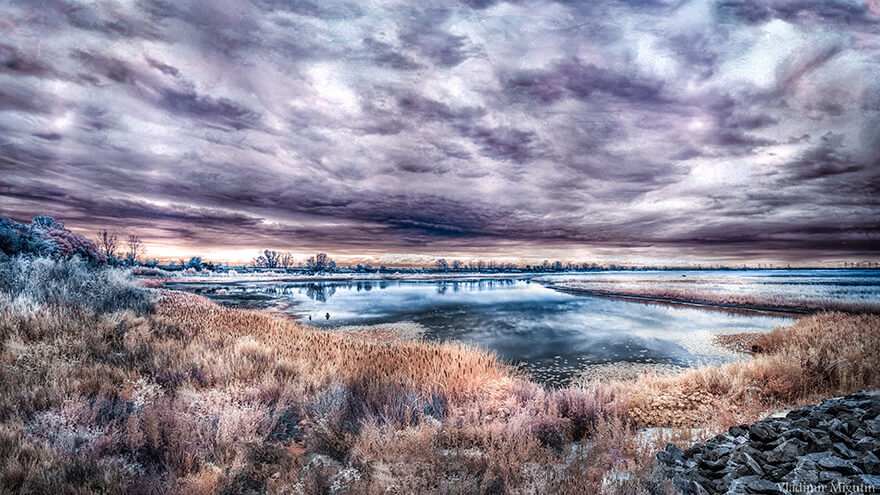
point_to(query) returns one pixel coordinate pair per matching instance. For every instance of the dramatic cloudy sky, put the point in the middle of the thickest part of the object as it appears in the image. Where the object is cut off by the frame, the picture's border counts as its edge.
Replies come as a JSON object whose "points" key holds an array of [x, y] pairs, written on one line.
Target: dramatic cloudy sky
{"points": [[631, 129]]}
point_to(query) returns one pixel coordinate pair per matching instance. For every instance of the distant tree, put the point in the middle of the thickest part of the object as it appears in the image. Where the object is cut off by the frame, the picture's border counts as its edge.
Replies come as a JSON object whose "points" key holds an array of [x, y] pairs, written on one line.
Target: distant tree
{"points": [[135, 248], [442, 265], [195, 263], [456, 265], [108, 243], [269, 259], [321, 261], [272, 258], [285, 259]]}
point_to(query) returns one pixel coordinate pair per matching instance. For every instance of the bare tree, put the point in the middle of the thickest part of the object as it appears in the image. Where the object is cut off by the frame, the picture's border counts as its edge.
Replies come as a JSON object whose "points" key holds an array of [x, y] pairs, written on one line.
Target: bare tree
{"points": [[321, 260], [108, 244], [285, 259], [269, 259], [135, 248]]}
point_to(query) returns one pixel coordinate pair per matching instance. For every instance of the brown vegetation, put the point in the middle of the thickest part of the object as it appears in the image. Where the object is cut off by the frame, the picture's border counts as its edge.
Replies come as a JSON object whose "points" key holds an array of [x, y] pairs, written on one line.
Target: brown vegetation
{"points": [[190, 397], [821, 355]]}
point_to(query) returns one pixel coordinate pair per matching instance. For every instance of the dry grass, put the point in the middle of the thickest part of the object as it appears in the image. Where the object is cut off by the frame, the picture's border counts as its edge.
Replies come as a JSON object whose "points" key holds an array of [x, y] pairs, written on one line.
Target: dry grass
{"points": [[821, 355], [456, 369], [191, 397]]}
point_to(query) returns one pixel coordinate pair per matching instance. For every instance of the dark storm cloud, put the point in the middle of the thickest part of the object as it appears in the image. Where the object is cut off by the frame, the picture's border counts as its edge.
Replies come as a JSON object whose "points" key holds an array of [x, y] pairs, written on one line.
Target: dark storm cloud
{"points": [[827, 159], [756, 11], [714, 127]]}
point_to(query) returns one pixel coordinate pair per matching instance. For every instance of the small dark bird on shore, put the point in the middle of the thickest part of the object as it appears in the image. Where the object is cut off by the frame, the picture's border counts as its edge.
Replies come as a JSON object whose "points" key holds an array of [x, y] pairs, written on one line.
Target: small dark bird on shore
{"points": [[310, 317], [327, 316]]}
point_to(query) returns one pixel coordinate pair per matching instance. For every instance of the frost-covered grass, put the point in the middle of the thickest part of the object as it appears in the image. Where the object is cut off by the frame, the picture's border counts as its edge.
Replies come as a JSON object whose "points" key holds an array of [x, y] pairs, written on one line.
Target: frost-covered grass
{"points": [[31, 283], [185, 396]]}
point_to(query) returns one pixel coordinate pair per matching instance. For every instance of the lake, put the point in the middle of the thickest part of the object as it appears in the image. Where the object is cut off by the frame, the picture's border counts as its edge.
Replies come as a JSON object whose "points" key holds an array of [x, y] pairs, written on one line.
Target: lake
{"points": [[552, 335]]}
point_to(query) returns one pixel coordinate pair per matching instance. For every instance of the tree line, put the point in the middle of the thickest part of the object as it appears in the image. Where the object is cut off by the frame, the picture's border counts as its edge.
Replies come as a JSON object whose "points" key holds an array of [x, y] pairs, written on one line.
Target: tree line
{"points": [[271, 259]]}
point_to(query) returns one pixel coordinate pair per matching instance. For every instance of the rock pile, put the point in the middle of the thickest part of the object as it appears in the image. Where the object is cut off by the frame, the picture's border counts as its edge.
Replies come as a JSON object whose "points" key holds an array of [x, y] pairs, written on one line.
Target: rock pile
{"points": [[834, 445]]}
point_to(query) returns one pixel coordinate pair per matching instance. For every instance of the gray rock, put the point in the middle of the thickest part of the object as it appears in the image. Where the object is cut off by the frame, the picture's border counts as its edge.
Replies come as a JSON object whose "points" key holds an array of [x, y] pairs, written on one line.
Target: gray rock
{"points": [[716, 453], [867, 480], [867, 444], [696, 449], [698, 488], [829, 477], [753, 465], [859, 434], [738, 431], [840, 436], [802, 423], [832, 424], [755, 453], [829, 444], [777, 475], [821, 441], [738, 486], [869, 463], [843, 451], [787, 451], [713, 466], [672, 454], [762, 432], [834, 463], [763, 486], [803, 475], [802, 434]]}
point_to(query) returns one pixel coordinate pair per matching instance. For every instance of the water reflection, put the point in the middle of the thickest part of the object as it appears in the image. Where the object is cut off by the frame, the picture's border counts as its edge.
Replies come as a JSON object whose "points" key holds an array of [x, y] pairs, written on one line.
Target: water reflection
{"points": [[551, 334], [323, 291]]}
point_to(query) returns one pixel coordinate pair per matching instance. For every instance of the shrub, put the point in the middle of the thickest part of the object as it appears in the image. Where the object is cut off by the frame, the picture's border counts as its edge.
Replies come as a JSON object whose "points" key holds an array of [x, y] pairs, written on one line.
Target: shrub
{"points": [[45, 237], [34, 282]]}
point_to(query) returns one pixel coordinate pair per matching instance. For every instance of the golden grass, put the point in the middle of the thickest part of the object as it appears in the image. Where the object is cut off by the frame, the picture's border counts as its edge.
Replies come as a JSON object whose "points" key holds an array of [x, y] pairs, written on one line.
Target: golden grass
{"points": [[821, 355], [457, 369]]}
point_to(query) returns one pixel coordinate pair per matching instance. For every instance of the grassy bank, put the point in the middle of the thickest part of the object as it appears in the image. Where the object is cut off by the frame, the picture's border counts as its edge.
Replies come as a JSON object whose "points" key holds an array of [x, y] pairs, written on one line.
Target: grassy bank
{"points": [[105, 385]]}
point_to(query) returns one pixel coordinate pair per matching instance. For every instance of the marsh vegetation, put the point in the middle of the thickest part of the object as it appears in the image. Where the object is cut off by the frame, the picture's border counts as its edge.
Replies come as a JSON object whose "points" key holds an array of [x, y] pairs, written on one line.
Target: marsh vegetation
{"points": [[109, 386]]}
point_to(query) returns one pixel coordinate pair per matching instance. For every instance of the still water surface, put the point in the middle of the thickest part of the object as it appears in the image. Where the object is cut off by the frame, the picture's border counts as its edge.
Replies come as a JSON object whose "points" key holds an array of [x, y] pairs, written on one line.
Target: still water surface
{"points": [[551, 334]]}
